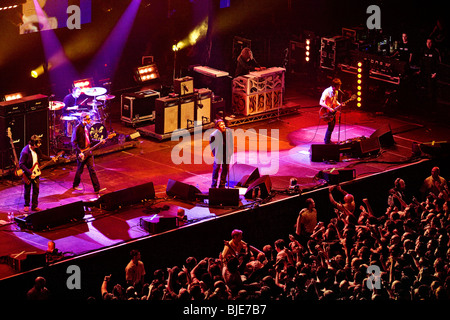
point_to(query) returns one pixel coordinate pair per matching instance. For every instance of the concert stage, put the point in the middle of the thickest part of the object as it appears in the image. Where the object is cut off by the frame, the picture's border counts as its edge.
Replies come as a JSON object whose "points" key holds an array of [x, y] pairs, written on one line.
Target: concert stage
{"points": [[113, 232]]}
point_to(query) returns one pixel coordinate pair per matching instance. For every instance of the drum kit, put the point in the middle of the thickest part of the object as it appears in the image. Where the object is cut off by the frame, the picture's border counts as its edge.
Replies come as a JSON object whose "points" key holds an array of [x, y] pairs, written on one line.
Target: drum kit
{"points": [[97, 112]]}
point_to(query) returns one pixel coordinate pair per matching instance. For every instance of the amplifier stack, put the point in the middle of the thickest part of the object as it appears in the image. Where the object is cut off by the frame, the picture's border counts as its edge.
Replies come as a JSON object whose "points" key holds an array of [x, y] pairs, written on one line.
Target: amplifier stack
{"points": [[24, 117]]}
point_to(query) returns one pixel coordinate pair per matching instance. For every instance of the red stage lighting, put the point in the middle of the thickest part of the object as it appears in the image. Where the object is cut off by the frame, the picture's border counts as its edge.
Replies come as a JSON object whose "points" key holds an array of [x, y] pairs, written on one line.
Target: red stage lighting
{"points": [[83, 84], [146, 73]]}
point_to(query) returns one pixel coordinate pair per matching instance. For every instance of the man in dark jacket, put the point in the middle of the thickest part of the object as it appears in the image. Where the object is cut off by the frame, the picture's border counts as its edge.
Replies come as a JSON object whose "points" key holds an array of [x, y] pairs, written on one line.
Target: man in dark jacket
{"points": [[28, 162], [81, 143], [222, 147]]}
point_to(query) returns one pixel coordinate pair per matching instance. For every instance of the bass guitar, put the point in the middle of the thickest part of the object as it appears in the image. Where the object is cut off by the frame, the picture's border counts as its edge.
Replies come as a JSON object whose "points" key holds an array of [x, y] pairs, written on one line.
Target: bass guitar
{"points": [[327, 115], [17, 171], [85, 152], [36, 170]]}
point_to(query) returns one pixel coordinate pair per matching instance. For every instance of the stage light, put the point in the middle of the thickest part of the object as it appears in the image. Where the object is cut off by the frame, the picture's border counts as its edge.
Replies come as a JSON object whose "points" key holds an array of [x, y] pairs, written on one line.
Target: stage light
{"points": [[146, 73], [10, 4], [359, 86], [198, 33], [38, 71], [13, 96], [307, 48], [83, 84]]}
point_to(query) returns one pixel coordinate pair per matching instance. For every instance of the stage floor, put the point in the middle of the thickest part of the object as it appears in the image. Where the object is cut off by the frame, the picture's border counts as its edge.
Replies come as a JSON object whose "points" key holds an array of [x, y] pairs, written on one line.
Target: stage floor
{"points": [[287, 155]]}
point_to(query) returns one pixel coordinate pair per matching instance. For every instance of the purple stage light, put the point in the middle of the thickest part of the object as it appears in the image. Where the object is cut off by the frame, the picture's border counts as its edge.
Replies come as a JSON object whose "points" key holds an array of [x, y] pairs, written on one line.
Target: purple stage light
{"points": [[109, 55]]}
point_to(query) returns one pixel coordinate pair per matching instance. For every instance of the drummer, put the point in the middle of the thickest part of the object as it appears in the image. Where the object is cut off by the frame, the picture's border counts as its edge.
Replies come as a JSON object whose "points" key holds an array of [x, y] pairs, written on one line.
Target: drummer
{"points": [[70, 105], [71, 101]]}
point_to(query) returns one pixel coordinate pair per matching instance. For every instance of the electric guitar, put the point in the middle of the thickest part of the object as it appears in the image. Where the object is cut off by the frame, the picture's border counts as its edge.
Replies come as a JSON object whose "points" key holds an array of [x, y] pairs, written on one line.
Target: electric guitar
{"points": [[36, 170], [17, 171], [327, 115], [85, 152]]}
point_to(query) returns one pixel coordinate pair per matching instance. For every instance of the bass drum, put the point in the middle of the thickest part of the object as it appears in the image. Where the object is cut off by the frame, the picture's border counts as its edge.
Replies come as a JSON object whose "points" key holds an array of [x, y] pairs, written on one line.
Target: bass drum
{"points": [[98, 132]]}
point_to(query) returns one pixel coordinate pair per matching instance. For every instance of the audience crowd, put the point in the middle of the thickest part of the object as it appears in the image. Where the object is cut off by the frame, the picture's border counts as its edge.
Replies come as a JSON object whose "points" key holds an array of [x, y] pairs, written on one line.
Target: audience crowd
{"points": [[400, 254]]}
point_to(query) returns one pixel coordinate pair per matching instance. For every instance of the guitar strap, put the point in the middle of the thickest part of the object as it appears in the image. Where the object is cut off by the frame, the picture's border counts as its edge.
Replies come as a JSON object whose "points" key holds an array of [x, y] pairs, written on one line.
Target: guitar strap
{"points": [[86, 134]]}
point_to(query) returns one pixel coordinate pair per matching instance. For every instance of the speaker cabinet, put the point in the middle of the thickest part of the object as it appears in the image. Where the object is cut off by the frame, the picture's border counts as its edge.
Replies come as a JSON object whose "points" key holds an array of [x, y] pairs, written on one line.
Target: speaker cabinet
{"points": [[325, 152], [242, 175], [264, 184], [125, 197], [187, 112], [166, 118], [384, 135], [369, 146], [203, 107], [183, 86], [158, 224], [53, 217], [223, 197], [335, 176], [182, 190]]}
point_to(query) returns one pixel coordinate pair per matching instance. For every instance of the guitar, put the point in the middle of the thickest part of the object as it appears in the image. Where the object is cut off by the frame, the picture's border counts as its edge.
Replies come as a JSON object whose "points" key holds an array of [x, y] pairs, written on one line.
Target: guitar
{"points": [[18, 172], [36, 170], [84, 152], [328, 115]]}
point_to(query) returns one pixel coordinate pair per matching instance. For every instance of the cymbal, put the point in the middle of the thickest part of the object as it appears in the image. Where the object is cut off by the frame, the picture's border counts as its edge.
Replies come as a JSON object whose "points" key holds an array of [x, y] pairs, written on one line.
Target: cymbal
{"points": [[69, 118], [56, 105], [72, 108], [95, 91], [95, 103], [76, 114], [105, 97]]}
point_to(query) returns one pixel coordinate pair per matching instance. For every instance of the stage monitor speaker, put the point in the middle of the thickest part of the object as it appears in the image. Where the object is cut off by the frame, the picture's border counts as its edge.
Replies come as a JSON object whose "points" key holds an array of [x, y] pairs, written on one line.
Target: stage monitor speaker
{"points": [[369, 146], [263, 183], [203, 107], [182, 190], [434, 148], [384, 135], [224, 197], [335, 176], [125, 197], [187, 112], [166, 115], [242, 175], [53, 217], [325, 152], [158, 224]]}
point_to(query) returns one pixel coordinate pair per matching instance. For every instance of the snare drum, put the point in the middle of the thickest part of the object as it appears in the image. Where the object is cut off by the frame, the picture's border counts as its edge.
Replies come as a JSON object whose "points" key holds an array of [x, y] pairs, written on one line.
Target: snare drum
{"points": [[98, 131]]}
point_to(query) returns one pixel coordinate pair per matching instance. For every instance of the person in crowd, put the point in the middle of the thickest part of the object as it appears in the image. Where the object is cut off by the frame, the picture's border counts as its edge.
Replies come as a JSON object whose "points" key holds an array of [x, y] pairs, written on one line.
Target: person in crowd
{"points": [[39, 291], [135, 270], [306, 221], [434, 184], [397, 196]]}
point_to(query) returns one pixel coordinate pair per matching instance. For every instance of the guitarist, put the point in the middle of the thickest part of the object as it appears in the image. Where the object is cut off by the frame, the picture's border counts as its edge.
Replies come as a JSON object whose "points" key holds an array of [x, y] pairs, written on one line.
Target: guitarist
{"points": [[29, 157], [81, 142], [329, 100]]}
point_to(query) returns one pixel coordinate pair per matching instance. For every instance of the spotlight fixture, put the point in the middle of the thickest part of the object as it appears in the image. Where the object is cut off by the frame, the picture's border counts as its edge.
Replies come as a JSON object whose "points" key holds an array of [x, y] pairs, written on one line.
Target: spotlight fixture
{"points": [[13, 96], [359, 84], [307, 49], [83, 84], [10, 4], [146, 73]]}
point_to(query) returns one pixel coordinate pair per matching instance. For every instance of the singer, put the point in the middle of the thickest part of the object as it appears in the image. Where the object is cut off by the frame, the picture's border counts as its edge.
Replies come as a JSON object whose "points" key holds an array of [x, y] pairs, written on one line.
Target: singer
{"points": [[246, 63], [329, 100], [222, 147]]}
